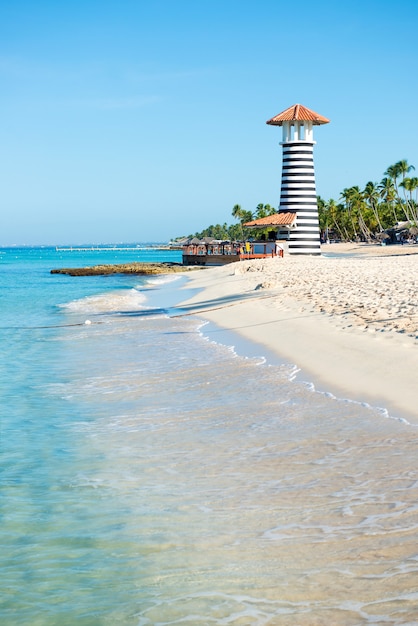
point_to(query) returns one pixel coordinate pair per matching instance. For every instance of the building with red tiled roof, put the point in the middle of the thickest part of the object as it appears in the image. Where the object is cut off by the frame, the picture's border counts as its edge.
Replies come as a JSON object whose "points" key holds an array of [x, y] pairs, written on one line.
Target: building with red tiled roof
{"points": [[277, 219]]}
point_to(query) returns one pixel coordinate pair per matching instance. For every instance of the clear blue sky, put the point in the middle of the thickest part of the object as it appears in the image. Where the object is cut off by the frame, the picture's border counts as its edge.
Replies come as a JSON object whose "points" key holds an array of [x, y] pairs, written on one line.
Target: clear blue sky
{"points": [[143, 120]]}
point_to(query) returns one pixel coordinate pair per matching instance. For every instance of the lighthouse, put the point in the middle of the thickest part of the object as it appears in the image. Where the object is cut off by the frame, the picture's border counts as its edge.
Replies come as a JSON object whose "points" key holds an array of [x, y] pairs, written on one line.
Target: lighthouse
{"points": [[298, 192]]}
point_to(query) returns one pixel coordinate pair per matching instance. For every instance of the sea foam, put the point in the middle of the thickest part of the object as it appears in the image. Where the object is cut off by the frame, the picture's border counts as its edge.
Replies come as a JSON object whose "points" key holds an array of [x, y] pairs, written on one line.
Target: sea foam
{"points": [[120, 301]]}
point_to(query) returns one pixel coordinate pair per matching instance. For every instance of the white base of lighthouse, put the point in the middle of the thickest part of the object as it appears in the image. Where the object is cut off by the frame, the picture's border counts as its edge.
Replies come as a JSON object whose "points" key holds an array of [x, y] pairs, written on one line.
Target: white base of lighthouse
{"points": [[298, 193]]}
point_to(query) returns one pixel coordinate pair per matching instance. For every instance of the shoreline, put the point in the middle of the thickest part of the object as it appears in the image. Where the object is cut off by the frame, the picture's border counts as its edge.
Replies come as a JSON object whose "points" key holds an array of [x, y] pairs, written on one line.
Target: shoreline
{"points": [[348, 321]]}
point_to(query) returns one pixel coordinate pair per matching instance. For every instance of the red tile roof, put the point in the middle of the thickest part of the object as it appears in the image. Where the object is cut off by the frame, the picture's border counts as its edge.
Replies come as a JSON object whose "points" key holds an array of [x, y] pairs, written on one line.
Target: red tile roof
{"points": [[277, 219], [298, 113]]}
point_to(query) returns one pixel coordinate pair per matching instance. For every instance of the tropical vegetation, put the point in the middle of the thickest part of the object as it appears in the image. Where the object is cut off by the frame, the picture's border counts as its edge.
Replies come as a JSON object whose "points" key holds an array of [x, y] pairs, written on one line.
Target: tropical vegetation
{"points": [[378, 208], [236, 232], [358, 214]]}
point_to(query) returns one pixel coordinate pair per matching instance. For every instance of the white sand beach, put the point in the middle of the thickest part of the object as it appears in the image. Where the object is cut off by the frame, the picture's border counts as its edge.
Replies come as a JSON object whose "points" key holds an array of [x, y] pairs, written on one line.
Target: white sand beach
{"points": [[347, 319]]}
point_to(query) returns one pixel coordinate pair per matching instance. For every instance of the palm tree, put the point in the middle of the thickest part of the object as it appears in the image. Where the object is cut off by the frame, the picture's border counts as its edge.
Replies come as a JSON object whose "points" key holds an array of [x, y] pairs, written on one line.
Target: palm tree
{"points": [[404, 169], [264, 210], [349, 195], [392, 172], [237, 214], [387, 193], [242, 215], [371, 195], [359, 212], [410, 185], [260, 211], [322, 216], [338, 218], [401, 168], [330, 218], [270, 210], [342, 221], [237, 211]]}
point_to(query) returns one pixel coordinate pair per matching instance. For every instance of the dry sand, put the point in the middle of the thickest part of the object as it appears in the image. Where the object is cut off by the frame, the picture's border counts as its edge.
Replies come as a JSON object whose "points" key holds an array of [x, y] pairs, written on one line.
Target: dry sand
{"points": [[349, 321]]}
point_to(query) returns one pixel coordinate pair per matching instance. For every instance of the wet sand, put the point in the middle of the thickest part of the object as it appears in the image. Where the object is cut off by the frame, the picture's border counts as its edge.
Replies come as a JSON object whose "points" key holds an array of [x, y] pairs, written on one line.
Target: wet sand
{"points": [[347, 319]]}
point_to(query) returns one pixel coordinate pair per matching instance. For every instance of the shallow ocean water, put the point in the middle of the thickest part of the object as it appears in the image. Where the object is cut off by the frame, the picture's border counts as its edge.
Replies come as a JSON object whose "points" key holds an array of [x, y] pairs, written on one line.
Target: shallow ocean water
{"points": [[150, 475]]}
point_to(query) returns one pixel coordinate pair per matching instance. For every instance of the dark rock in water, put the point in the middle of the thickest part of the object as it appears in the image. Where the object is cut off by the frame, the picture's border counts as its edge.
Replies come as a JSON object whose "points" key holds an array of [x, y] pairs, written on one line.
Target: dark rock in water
{"points": [[125, 268]]}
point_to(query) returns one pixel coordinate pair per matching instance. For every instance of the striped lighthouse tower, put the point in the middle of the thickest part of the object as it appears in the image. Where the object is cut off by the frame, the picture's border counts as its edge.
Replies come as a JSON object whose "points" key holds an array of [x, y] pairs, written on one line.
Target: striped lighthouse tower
{"points": [[298, 192]]}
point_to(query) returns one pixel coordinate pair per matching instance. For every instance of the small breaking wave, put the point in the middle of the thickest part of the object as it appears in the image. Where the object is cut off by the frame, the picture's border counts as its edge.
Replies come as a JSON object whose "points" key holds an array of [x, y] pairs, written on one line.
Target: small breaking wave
{"points": [[162, 279], [109, 302]]}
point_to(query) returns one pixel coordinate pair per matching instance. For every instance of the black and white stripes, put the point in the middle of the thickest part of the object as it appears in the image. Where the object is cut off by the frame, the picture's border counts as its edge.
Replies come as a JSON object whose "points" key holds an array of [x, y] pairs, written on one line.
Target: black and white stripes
{"points": [[298, 194]]}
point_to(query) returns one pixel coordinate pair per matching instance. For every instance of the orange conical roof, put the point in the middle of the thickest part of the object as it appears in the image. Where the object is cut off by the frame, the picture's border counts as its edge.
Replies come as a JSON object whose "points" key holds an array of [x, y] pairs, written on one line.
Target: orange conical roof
{"points": [[298, 113]]}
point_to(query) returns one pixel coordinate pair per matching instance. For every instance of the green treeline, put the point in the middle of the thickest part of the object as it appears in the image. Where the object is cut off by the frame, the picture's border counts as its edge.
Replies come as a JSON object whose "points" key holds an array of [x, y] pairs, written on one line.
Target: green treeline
{"points": [[358, 214], [236, 232], [365, 213]]}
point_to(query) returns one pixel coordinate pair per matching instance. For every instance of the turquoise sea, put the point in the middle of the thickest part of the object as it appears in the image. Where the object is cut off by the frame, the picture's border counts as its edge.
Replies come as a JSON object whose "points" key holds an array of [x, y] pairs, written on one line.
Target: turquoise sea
{"points": [[153, 473]]}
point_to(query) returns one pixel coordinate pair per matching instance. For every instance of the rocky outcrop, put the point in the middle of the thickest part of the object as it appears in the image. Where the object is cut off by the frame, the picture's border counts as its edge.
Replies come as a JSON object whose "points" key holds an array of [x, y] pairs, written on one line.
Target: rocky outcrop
{"points": [[125, 268]]}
